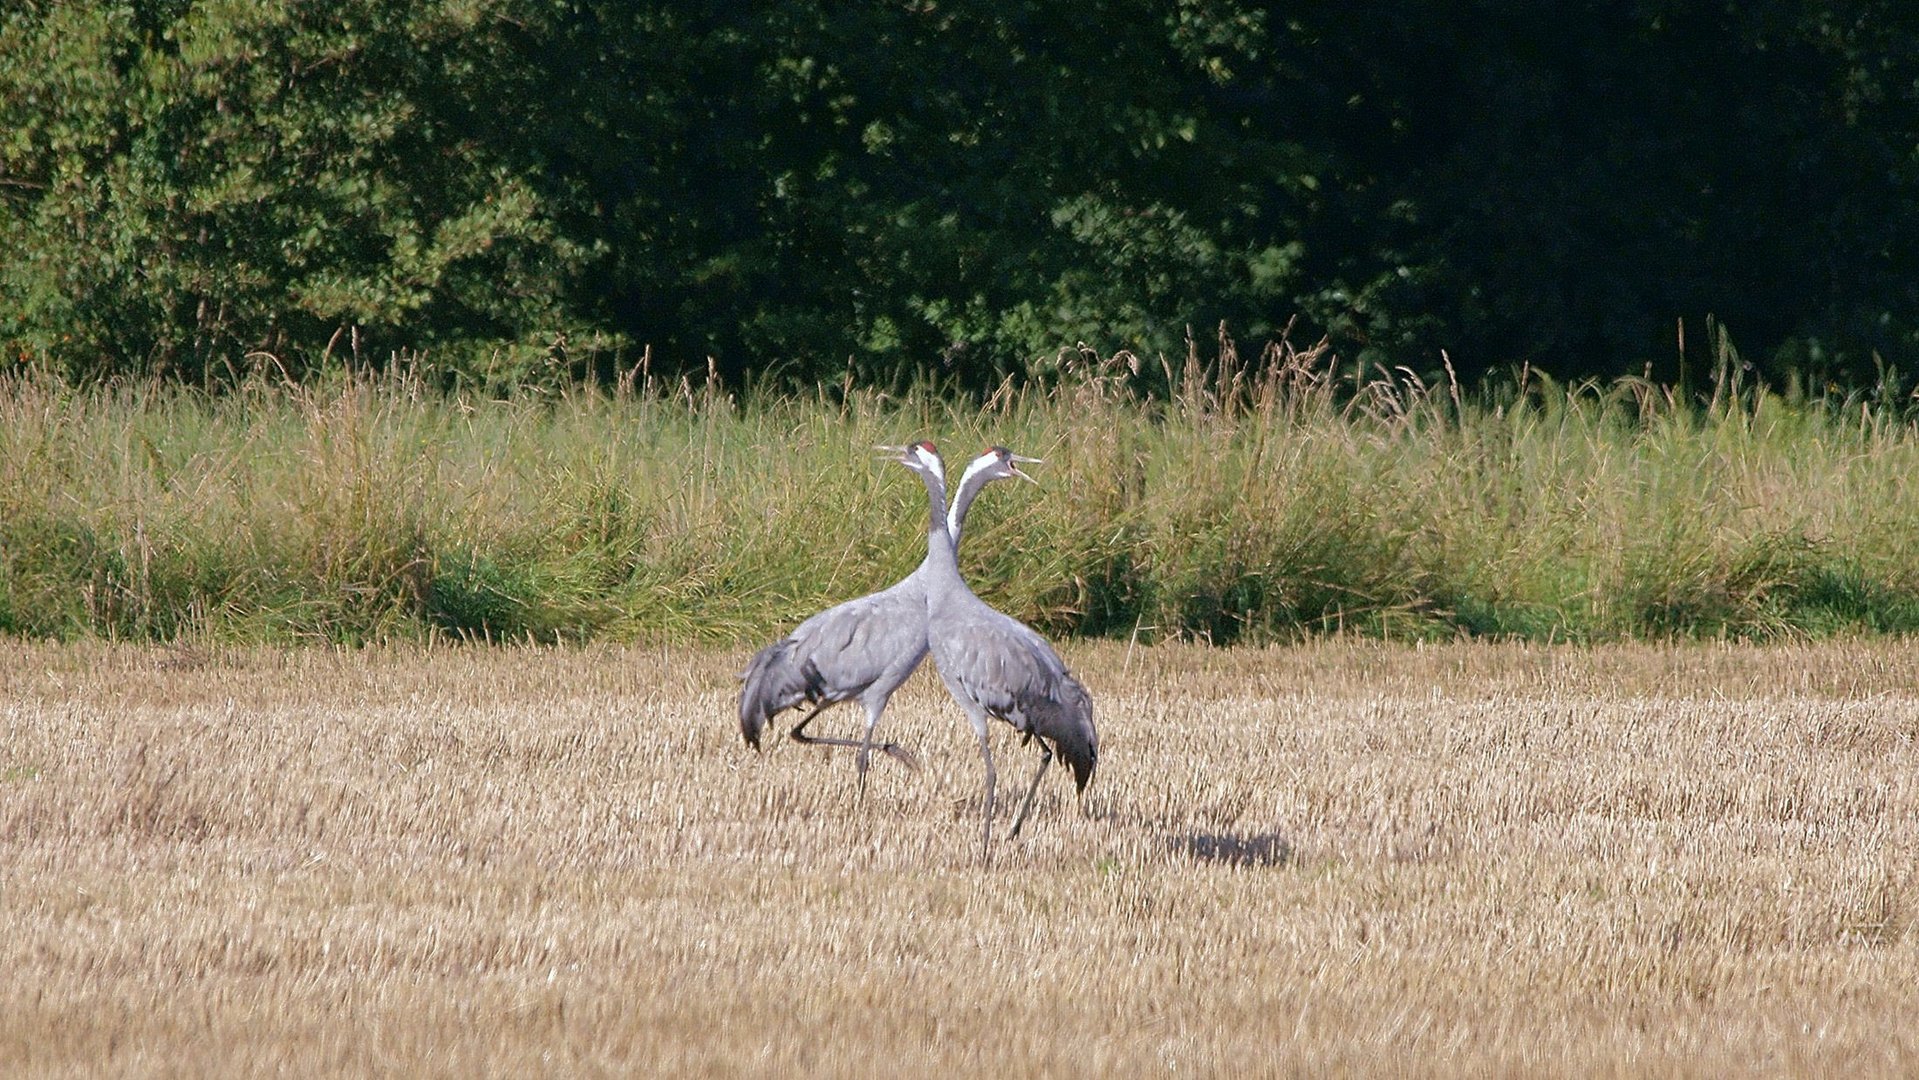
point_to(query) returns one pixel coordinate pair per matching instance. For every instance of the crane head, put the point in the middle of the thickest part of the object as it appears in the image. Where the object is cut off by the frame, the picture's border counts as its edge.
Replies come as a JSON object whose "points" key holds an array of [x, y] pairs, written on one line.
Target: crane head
{"points": [[999, 463], [921, 457]]}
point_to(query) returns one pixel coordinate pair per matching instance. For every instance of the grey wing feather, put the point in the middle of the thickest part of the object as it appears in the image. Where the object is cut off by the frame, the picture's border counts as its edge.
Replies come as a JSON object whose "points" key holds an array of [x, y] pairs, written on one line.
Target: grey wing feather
{"points": [[1015, 675], [774, 682], [835, 655]]}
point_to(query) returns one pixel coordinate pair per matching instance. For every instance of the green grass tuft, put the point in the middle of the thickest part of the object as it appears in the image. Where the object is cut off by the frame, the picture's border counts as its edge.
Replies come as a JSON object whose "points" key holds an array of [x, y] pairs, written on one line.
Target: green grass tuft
{"points": [[1270, 502]]}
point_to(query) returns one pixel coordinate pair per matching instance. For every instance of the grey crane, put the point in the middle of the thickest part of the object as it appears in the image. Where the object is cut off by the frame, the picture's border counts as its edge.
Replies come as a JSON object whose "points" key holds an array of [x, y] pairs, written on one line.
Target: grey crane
{"points": [[861, 650], [996, 666]]}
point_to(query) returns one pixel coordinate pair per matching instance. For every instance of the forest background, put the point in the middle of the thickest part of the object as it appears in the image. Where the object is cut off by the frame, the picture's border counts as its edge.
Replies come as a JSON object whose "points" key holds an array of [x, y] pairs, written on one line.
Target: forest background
{"points": [[957, 190]]}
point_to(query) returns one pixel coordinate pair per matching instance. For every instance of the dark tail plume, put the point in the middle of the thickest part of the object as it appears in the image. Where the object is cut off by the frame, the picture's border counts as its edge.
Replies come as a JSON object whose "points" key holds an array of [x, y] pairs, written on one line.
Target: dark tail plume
{"points": [[773, 683]]}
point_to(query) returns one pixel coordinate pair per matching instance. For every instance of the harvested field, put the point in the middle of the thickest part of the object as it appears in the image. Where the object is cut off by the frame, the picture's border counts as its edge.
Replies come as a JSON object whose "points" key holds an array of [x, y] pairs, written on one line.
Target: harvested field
{"points": [[1340, 858]]}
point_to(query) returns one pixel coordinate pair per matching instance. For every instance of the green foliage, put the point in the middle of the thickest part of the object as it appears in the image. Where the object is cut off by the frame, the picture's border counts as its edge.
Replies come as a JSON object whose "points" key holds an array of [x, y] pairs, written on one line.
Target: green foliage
{"points": [[1561, 186], [966, 183], [501, 191], [193, 184]]}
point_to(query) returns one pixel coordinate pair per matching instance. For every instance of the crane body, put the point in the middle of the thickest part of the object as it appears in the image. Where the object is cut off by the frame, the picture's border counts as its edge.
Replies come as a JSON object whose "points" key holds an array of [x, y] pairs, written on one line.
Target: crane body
{"points": [[997, 667], [862, 650]]}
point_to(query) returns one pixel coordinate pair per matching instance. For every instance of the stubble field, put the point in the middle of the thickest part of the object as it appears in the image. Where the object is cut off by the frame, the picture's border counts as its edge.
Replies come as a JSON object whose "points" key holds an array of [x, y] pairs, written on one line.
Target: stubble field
{"points": [[1337, 858]]}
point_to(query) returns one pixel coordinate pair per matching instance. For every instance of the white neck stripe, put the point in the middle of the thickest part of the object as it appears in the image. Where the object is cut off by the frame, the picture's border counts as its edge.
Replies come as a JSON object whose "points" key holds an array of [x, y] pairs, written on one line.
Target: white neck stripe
{"points": [[977, 465]]}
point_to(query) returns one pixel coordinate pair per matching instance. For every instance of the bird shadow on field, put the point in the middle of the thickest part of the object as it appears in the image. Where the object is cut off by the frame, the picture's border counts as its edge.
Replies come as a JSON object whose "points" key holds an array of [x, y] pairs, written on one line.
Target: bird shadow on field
{"points": [[1213, 842], [1233, 849]]}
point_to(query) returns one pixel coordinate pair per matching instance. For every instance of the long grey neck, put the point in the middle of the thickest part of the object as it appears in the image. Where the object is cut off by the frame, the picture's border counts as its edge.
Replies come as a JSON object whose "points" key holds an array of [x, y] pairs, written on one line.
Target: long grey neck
{"points": [[942, 546], [942, 565], [936, 515]]}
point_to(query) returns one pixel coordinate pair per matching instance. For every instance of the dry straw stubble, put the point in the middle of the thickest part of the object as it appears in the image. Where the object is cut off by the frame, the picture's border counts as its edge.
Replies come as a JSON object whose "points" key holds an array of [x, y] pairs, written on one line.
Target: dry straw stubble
{"points": [[1342, 858]]}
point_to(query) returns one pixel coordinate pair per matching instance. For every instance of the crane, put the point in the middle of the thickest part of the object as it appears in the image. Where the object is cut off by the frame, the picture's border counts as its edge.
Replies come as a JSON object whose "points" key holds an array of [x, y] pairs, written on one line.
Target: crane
{"points": [[862, 650], [996, 666]]}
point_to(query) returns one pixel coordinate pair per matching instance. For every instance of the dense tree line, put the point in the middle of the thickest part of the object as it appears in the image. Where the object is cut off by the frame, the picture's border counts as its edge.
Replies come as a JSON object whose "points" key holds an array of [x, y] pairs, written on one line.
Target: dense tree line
{"points": [[956, 186]]}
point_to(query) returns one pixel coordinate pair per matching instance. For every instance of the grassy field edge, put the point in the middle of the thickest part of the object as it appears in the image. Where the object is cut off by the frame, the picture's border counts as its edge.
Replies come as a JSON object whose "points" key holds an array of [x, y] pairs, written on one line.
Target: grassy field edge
{"points": [[1266, 501]]}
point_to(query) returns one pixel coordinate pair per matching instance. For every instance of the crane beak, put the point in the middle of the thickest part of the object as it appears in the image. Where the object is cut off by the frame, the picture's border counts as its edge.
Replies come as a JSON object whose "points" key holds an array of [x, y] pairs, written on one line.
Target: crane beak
{"points": [[1025, 461]]}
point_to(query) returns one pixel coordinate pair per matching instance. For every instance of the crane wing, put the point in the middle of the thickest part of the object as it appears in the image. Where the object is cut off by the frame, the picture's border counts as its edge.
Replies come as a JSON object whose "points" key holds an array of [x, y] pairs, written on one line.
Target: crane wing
{"points": [[1014, 674], [835, 655]]}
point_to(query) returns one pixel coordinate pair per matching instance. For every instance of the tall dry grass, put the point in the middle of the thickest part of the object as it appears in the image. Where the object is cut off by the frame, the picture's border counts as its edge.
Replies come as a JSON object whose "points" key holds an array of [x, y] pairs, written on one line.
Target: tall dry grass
{"points": [[1342, 858], [1250, 502]]}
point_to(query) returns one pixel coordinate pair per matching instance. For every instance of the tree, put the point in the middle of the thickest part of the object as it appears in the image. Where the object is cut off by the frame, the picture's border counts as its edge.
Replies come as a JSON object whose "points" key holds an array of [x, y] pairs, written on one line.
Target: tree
{"points": [[188, 182]]}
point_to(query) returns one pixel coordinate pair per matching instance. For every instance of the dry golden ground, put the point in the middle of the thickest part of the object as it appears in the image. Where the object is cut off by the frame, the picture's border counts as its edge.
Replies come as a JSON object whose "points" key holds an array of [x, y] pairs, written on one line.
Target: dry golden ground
{"points": [[1341, 858]]}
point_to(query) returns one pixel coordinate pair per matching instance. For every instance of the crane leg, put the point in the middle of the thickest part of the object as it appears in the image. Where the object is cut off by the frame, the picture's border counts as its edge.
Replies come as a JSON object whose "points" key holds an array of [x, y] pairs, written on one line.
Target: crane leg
{"points": [[898, 753], [1045, 759], [992, 781]]}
